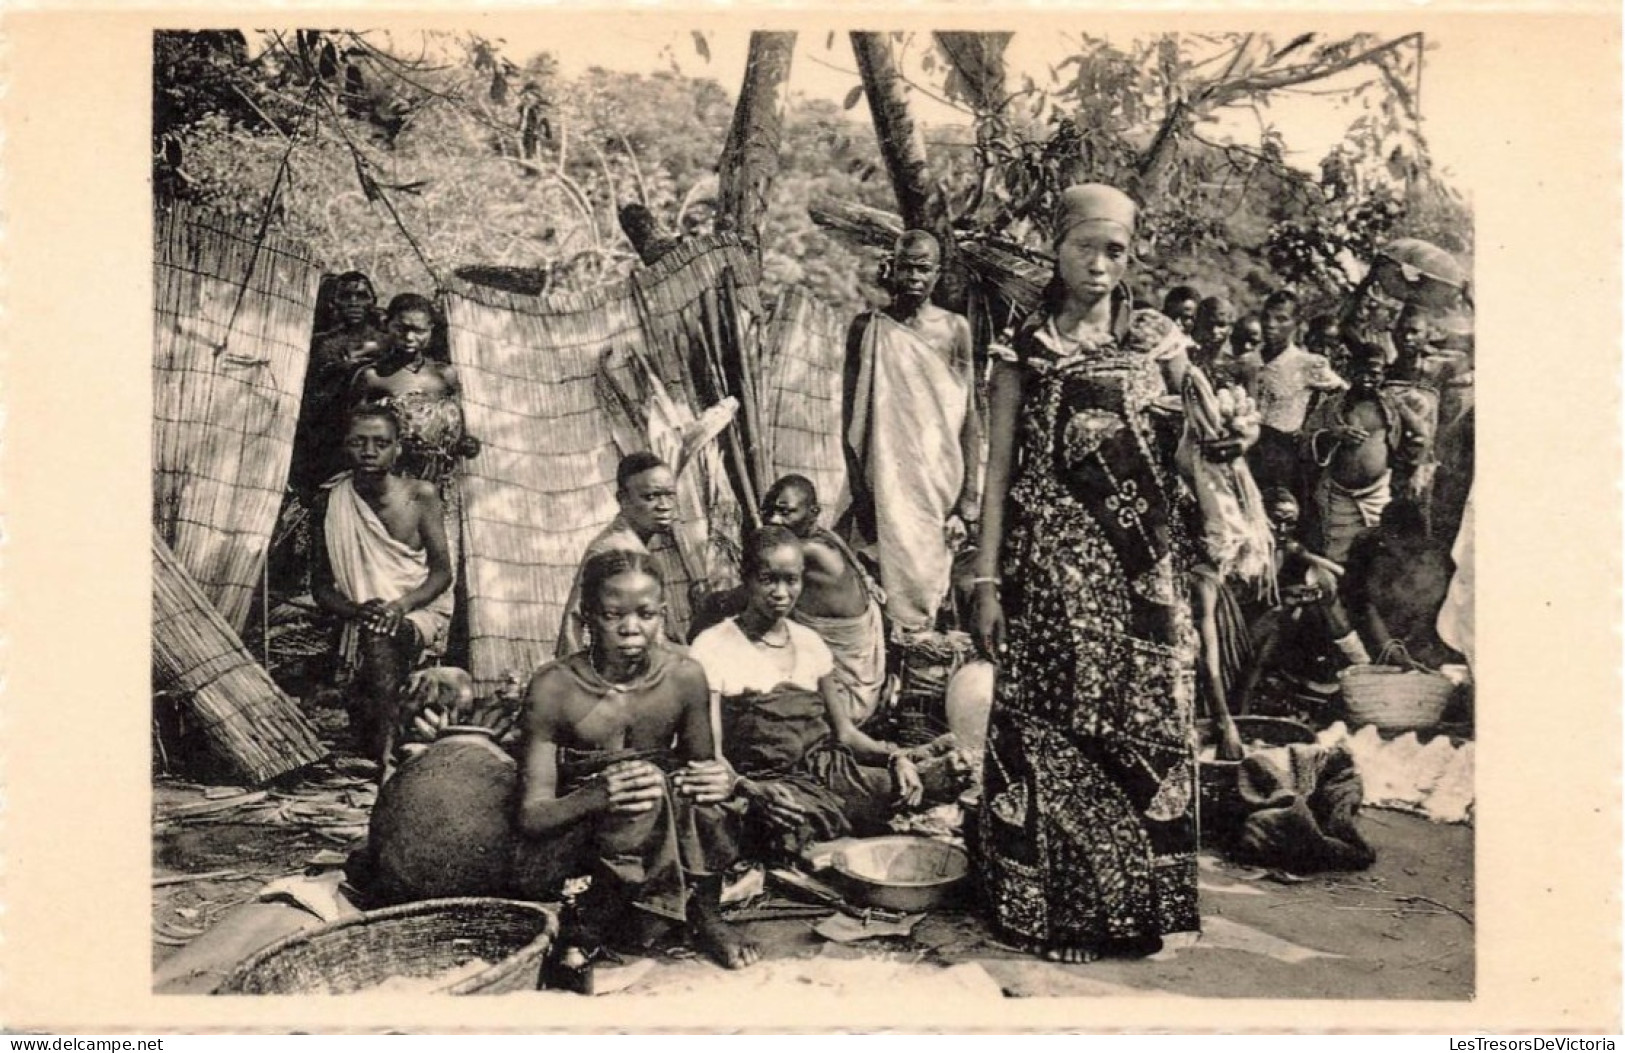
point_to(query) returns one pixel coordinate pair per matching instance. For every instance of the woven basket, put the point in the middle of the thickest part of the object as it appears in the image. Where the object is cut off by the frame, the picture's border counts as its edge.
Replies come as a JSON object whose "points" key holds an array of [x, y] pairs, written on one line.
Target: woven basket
{"points": [[1394, 698], [928, 661], [416, 940]]}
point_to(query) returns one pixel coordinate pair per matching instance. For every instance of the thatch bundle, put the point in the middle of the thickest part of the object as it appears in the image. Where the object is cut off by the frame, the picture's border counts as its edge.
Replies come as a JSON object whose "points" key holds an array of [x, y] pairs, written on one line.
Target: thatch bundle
{"points": [[243, 715], [232, 332]]}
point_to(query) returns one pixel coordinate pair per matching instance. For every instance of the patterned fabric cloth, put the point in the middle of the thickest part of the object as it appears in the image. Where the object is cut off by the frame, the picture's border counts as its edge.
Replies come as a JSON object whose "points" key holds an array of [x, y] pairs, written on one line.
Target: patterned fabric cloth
{"points": [[1088, 823], [431, 431], [1287, 384]]}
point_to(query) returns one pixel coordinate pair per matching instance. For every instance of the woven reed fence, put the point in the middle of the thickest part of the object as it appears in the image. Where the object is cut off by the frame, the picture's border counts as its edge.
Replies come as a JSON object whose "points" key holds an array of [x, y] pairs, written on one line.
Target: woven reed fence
{"points": [[806, 345], [246, 719], [544, 484], [232, 331]]}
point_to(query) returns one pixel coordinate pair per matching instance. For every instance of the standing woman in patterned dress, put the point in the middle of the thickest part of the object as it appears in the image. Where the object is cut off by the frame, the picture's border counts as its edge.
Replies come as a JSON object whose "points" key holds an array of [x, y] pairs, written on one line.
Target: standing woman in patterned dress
{"points": [[1088, 830]]}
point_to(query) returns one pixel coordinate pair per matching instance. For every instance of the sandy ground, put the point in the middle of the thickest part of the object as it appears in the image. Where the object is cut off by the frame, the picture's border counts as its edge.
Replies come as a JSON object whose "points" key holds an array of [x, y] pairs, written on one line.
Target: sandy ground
{"points": [[1398, 930]]}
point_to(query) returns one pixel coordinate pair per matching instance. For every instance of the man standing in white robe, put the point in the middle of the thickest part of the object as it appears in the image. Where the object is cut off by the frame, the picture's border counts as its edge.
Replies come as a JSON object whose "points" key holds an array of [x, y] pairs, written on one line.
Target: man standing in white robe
{"points": [[912, 436]]}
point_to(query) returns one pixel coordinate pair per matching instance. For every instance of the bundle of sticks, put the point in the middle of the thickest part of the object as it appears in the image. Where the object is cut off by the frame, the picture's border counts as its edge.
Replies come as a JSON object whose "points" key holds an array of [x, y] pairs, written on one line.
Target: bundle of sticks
{"points": [[727, 363]]}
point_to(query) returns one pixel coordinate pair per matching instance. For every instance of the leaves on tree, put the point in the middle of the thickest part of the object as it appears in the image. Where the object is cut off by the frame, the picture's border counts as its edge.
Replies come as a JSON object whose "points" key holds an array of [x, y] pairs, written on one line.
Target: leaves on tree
{"points": [[853, 97], [702, 46]]}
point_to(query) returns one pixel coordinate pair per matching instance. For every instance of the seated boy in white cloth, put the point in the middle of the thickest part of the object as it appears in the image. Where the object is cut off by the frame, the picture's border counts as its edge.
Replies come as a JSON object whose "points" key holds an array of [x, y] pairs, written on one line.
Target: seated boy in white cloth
{"points": [[381, 562]]}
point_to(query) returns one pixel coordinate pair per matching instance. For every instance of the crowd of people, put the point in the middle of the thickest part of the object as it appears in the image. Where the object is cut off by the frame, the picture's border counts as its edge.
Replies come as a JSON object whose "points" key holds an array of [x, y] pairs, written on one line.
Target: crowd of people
{"points": [[1152, 510]]}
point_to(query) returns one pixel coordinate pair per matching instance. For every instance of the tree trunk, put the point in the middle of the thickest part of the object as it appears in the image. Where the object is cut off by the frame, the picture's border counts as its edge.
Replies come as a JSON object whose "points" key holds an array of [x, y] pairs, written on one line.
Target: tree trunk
{"points": [[750, 157], [1150, 175], [902, 145]]}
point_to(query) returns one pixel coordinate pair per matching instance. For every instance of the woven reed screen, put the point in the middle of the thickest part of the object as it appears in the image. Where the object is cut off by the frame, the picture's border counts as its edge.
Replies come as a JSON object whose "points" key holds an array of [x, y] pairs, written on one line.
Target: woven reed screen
{"points": [[544, 484], [232, 330], [806, 342]]}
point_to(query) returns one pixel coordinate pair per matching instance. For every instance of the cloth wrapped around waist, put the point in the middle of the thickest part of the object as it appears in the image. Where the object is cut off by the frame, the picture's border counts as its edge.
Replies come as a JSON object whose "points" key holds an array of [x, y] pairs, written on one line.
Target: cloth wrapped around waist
{"points": [[577, 766], [783, 737], [859, 646], [770, 733]]}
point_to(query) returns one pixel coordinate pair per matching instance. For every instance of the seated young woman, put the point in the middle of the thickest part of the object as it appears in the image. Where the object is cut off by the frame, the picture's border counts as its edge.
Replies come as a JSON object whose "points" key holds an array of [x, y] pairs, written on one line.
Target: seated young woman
{"points": [[808, 772]]}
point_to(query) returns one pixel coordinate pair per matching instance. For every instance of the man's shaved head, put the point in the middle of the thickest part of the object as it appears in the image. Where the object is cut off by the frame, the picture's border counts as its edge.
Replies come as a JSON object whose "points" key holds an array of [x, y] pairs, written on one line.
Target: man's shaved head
{"points": [[913, 242]]}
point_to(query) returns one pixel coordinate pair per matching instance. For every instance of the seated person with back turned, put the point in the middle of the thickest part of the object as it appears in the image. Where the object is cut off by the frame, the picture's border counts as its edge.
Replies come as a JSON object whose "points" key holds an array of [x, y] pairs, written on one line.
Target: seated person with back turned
{"points": [[381, 563], [617, 779], [1395, 583], [839, 600]]}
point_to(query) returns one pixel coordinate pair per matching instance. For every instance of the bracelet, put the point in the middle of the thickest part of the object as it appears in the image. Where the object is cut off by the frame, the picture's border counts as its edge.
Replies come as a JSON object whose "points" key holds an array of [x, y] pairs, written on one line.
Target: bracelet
{"points": [[986, 581]]}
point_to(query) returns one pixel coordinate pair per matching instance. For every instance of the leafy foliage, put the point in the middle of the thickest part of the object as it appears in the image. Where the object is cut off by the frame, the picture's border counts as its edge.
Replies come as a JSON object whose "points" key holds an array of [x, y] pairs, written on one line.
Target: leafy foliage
{"points": [[412, 158], [411, 168], [1159, 115]]}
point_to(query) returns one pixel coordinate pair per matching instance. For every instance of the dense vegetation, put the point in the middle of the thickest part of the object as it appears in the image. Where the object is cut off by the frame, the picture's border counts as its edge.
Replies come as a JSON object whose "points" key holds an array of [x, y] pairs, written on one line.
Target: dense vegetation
{"points": [[410, 162]]}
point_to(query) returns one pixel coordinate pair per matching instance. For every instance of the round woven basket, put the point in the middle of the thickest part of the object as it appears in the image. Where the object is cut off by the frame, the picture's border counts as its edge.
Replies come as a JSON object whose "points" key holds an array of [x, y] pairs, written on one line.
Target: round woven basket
{"points": [[417, 940], [1394, 698]]}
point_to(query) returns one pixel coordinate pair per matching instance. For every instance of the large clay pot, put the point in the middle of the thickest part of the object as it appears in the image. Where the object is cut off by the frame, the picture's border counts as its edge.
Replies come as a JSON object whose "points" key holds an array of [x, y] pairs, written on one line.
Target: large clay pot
{"points": [[441, 827], [970, 698]]}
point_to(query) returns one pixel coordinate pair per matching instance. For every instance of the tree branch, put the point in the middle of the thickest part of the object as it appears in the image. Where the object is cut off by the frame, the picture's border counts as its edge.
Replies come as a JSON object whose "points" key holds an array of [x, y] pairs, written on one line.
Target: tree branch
{"points": [[1296, 75]]}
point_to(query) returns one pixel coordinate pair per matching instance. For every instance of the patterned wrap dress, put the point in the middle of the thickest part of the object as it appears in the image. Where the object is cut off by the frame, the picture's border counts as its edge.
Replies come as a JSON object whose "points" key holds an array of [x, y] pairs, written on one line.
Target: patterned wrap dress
{"points": [[1088, 829]]}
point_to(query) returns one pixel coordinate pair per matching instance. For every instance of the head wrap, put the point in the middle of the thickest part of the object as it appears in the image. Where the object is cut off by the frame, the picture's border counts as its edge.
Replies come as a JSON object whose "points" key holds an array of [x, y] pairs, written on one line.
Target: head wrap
{"points": [[1094, 202]]}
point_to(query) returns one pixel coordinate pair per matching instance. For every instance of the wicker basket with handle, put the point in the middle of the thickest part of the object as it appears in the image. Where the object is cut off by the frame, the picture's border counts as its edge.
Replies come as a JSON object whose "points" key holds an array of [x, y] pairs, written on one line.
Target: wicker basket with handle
{"points": [[1394, 697], [417, 940]]}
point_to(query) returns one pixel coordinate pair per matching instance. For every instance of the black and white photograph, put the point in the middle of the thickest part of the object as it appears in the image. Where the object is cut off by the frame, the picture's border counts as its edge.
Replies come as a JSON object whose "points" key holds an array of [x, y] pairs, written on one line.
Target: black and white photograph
{"points": [[983, 514], [755, 520]]}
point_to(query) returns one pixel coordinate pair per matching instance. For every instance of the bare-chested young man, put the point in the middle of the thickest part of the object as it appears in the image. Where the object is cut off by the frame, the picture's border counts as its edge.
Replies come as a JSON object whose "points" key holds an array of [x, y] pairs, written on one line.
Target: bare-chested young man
{"points": [[380, 561], [911, 434], [1358, 441], [424, 393], [615, 777], [839, 601], [621, 776]]}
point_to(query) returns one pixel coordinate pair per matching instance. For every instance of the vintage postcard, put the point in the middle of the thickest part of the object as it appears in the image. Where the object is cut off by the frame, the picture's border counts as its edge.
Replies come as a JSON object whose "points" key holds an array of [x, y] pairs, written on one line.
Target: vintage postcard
{"points": [[768, 519]]}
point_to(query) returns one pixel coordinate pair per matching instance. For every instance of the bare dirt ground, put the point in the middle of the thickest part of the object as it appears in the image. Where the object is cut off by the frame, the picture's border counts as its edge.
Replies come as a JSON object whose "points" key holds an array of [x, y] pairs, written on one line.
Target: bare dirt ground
{"points": [[1401, 930]]}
